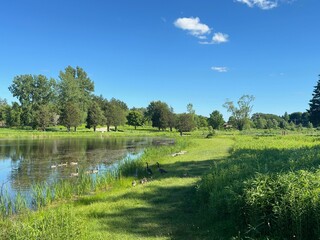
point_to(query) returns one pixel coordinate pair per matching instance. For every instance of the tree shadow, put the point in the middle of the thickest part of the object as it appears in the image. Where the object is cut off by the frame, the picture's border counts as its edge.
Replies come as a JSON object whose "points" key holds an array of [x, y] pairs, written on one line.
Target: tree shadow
{"points": [[169, 207]]}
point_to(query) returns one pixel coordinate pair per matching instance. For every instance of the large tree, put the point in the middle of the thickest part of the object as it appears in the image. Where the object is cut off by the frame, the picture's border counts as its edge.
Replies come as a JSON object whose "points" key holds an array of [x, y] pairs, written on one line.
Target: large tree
{"points": [[159, 113], [185, 123], [115, 113], [135, 118], [216, 120], [95, 116], [240, 114], [13, 115], [75, 89], [33, 92], [314, 104], [3, 106]]}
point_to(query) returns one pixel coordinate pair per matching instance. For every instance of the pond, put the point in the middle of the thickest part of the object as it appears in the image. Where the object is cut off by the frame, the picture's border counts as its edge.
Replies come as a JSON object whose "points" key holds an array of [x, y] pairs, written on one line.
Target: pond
{"points": [[24, 163]]}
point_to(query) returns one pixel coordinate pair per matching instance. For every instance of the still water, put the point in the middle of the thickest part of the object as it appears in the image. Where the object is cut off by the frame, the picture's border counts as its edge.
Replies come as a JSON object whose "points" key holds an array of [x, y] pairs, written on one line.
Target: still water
{"points": [[24, 163]]}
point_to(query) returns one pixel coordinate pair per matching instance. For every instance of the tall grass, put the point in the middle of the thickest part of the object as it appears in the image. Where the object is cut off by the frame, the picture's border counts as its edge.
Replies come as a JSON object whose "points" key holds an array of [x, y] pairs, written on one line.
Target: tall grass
{"points": [[44, 194], [267, 188], [52, 224]]}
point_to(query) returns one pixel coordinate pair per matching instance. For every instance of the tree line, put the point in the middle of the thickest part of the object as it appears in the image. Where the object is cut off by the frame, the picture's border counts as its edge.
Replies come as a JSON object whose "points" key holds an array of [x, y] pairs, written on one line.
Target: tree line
{"points": [[70, 102]]}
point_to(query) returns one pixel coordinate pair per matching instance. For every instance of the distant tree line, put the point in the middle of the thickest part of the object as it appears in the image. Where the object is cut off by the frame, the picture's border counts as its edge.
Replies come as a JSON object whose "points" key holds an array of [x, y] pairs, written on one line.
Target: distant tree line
{"points": [[70, 102]]}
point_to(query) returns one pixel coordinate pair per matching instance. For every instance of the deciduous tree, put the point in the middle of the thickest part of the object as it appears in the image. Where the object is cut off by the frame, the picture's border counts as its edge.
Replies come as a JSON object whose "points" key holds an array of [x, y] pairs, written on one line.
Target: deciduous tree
{"points": [[75, 89], [158, 112], [185, 123], [135, 118], [241, 113]]}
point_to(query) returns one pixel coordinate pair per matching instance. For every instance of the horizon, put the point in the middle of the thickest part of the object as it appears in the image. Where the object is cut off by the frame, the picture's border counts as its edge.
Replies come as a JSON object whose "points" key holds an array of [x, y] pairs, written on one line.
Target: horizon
{"points": [[179, 53]]}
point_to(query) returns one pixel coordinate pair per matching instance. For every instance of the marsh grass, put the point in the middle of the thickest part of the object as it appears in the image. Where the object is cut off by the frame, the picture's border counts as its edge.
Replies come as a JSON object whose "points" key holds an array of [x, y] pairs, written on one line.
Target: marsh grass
{"points": [[267, 188], [44, 194], [52, 224]]}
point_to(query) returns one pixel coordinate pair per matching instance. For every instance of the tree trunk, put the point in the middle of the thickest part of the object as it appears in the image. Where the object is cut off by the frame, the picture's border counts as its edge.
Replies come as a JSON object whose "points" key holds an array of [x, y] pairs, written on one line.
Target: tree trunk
{"points": [[181, 133], [75, 129], [116, 128], [94, 128], [108, 127], [135, 127]]}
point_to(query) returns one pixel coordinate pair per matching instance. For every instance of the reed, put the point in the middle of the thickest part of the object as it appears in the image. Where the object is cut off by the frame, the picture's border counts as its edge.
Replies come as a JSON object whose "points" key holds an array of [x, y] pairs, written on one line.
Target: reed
{"points": [[52, 224], [267, 188]]}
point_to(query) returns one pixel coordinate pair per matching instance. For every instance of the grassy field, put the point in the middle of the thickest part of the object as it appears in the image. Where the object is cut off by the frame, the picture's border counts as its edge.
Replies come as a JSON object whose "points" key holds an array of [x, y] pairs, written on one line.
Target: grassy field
{"points": [[231, 186], [163, 208]]}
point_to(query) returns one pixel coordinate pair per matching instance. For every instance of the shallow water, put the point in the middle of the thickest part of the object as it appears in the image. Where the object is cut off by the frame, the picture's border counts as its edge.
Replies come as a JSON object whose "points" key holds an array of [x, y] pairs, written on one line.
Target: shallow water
{"points": [[24, 163]]}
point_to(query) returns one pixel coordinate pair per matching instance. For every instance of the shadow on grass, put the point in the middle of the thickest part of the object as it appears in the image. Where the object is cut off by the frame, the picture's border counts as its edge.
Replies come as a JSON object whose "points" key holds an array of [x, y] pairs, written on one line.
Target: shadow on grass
{"points": [[164, 209]]}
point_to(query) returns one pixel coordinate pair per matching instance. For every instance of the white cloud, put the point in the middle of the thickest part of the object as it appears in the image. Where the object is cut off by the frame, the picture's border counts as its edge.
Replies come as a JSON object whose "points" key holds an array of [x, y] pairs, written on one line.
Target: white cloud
{"points": [[263, 4], [193, 26], [220, 69], [218, 38], [200, 30]]}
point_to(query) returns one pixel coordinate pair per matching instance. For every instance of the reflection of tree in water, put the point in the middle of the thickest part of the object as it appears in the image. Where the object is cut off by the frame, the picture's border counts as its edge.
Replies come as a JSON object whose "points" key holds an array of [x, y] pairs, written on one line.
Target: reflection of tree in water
{"points": [[31, 159]]}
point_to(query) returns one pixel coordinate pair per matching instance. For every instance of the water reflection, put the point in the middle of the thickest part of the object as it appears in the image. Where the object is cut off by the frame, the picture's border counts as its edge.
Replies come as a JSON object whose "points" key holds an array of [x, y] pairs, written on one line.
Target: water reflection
{"points": [[24, 163]]}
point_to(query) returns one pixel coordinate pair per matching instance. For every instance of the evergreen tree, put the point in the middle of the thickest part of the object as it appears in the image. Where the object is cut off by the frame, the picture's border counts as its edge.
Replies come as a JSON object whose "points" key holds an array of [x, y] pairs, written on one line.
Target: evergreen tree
{"points": [[314, 104], [95, 116]]}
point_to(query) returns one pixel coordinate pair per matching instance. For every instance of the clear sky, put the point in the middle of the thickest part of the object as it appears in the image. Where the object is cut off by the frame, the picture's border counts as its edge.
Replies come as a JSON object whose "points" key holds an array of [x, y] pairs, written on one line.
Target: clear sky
{"points": [[178, 51]]}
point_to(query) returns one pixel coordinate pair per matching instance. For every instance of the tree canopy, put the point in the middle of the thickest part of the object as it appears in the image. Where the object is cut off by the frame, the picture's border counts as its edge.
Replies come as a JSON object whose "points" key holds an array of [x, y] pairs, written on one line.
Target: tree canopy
{"points": [[241, 113]]}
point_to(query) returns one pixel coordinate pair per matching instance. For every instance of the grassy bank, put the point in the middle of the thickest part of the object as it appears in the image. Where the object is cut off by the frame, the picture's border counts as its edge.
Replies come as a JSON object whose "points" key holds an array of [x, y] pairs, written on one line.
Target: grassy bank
{"points": [[163, 208], [225, 187], [125, 131]]}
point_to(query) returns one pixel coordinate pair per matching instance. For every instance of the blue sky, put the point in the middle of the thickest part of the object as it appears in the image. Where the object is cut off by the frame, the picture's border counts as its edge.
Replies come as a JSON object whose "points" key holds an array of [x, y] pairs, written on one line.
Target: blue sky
{"points": [[200, 52]]}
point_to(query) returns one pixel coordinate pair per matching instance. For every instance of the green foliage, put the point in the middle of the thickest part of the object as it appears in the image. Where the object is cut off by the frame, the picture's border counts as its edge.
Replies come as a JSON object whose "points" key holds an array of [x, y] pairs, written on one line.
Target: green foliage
{"points": [[216, 120], [185, 123], [115, 112], [159, 113], [59, 223], [74, 90], [71, 115], [33, 93], [135, 118], [267, 188], [241, 113], [314, 106], [95, 116]]}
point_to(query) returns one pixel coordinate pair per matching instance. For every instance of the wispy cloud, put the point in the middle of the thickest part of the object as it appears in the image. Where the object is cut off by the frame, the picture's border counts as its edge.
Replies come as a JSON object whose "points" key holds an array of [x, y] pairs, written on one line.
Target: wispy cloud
{"points": [[220, 69], [263, 4], [193, 26], [200, 30]]}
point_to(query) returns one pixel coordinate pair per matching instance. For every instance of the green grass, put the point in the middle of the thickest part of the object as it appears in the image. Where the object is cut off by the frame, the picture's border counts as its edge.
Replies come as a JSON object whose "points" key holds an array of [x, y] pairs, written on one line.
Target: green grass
{"points": [[61, 132], [163, 208], [267, 189], [226, 187]]}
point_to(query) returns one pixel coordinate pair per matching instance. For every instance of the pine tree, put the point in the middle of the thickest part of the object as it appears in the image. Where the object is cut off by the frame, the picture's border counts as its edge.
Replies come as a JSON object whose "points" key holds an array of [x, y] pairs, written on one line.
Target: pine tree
{"points": [[314, 104]]}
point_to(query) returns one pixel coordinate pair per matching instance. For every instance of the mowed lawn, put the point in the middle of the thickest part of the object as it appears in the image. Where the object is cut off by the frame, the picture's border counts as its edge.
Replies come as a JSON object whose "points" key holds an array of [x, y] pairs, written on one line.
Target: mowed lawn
{"points": [[162, 208]]}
